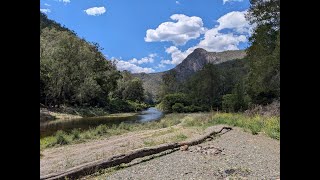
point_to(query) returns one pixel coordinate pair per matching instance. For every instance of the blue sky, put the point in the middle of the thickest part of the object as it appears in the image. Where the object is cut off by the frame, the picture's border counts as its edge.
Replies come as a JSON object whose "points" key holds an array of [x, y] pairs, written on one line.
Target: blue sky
{"points": [[154, 35]]}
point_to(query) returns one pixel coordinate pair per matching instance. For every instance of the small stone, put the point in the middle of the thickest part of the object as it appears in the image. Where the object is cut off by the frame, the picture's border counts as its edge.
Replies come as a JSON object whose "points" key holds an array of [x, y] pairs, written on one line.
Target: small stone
{"points": [[184, 147]]}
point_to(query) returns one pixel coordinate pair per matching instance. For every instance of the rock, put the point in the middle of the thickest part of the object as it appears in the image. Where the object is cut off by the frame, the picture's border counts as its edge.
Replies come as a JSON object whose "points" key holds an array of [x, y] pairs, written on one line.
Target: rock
{"points": [[184, 148]]}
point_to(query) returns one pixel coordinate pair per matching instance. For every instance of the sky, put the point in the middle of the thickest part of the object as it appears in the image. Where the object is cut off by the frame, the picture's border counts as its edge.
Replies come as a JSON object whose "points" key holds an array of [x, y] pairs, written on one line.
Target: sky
{"points": [[154, 35]]}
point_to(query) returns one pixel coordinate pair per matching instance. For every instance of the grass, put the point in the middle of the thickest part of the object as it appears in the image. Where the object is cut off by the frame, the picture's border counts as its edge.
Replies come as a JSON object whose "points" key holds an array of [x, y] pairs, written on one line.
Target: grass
{"points": [[256, 124], [149, 142], [179, 137], [77, 136]]}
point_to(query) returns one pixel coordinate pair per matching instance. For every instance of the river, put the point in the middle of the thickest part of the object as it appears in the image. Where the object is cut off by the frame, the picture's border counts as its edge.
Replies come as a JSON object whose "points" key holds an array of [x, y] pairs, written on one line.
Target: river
{"points": [[50, 128]]}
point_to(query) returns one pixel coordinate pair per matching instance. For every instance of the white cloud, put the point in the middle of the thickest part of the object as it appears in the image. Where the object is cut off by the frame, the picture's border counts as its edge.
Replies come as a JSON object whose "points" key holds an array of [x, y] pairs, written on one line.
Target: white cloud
{"points": [[65, 1], [148, 59], [234, 20], [177, 2], [46, 11], [185, 29], [95, 11], [125, 65], [217, 42], [224, 1], [47, 4], [177, 56], [214, 40]]}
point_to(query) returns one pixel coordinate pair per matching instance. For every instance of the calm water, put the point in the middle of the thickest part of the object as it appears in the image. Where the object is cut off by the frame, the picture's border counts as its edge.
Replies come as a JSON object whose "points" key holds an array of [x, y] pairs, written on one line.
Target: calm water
{"points": [[49, 128]]}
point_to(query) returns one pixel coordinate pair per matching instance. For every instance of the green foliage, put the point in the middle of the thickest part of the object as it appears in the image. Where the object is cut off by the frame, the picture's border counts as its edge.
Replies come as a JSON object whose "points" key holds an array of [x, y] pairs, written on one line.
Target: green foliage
{"points": [[74, 72], [264, 53], [205, 89], [193, 108], [134, 90], [179, 137], [178, 107], [61, 138], [170, 99], [75, 134], [237, 101]]}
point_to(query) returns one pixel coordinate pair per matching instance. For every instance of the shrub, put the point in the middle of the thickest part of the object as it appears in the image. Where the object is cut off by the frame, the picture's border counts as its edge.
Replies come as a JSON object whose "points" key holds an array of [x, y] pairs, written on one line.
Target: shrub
{"points": [[61, 138], [170, 99], [75, 134], [124, 126], [178, 107], [192, 108], [101, 130]]}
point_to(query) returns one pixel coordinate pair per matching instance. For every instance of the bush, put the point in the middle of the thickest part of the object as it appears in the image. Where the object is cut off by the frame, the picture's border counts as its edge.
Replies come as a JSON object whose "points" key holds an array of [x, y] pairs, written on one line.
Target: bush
{"points": [[178, 107], [119, 105], [228, 102], [75, 134], [61, 138], [101, 130], [234, 102], [171, 99], [137, 106], [193, 108]]}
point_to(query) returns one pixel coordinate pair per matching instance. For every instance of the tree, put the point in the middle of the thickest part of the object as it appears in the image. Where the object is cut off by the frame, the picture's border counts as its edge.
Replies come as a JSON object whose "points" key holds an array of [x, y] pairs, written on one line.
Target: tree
{"points": [[263, 83], [134, 91]]}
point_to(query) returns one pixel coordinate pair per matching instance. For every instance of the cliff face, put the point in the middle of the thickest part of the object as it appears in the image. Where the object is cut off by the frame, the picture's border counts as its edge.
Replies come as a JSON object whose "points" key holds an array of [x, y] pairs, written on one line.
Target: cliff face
{"points": [[200, 57]]}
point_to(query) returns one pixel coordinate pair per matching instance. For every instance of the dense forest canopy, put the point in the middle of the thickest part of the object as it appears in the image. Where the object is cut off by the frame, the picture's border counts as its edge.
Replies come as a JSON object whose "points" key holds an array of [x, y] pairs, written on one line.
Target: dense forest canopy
{"points": [[74, 72]]}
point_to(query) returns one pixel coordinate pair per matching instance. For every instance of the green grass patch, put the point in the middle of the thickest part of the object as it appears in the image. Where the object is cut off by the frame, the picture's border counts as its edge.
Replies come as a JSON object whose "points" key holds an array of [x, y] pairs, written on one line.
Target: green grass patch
{"points": [[256, 124], [77, 136], [149, 143], [179, 137]]}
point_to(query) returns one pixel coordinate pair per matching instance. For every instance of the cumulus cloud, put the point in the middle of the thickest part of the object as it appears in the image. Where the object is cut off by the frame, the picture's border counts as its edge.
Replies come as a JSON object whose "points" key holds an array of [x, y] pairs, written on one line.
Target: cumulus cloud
{"points": [[184, 29], [217, 42], [177, 2], [95, 11], [148, 59], [214, 40], [46, 11], [234, 20], [125, 65], [225, 1], [65, 1], [47, 4]]}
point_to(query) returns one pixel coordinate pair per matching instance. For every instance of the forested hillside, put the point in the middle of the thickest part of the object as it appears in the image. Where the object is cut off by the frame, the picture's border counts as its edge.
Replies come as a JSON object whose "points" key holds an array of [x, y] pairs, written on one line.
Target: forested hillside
{"points": [[233, 85], [74, 72]]}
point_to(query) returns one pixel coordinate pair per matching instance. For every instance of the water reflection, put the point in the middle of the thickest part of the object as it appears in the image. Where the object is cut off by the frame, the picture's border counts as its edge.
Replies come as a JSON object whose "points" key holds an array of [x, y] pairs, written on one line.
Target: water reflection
{"points": [[49, 128]]}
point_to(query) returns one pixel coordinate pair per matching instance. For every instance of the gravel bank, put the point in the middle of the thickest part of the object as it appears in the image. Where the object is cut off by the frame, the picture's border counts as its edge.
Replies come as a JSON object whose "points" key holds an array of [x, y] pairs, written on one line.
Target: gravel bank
{"points": [[236, 154]]}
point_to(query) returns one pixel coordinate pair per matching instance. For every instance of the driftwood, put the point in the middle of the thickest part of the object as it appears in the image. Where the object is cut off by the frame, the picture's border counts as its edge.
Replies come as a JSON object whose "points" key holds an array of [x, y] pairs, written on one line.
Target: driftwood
{"points": [[89, 168]]}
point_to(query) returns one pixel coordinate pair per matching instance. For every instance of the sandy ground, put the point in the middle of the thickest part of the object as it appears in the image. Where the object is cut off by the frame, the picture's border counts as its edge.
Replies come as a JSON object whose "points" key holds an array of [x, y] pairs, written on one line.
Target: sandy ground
{"points": [[236, 154], [59, 159]]}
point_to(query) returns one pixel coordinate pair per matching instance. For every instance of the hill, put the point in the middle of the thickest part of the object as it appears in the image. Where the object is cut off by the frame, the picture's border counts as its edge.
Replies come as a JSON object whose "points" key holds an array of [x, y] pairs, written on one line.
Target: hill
{"points": [[191, 64]]}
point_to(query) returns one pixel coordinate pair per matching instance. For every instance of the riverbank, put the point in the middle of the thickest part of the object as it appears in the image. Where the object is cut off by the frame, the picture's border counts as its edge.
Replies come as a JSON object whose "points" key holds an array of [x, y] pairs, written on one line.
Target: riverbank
{"points": [[106, 142], [269, 126], [103, 142], [67, 112]]}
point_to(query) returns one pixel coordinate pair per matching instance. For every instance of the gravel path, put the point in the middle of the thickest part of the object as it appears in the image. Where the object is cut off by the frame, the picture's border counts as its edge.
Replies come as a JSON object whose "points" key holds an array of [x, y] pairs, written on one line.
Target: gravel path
{"points": [[234, 155]]}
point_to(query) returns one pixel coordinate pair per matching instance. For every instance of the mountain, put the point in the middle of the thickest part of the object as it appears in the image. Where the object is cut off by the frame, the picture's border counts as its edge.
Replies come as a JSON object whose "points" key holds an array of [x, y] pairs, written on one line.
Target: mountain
{"points": [[191, 64], [151, 82], [200, 57]]}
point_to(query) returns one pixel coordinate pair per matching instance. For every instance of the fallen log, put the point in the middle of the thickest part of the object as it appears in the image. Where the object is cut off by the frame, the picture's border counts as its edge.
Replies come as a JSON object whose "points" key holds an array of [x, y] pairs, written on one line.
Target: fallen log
{"points": [[89, 168]]}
